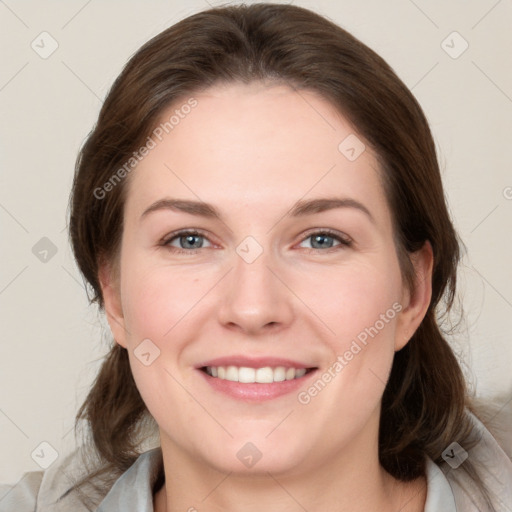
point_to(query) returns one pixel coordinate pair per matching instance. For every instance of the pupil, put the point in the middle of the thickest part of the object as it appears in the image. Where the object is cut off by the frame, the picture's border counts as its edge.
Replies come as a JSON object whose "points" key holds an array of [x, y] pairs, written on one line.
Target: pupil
{"points": [[321, 239], [190, 239]]}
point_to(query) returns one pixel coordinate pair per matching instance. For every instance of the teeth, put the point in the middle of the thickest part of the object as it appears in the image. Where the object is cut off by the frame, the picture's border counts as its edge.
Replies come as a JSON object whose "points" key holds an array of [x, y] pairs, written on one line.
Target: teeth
{"points": [[264, 375], [279, 374], [246, 375], [232, 373]]}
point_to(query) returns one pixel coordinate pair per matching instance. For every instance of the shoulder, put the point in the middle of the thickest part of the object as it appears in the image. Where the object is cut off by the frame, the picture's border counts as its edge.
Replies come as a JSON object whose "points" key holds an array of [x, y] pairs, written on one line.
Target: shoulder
{"points": [[22, 496], [49, 490], [491, 463], [54, 490]]}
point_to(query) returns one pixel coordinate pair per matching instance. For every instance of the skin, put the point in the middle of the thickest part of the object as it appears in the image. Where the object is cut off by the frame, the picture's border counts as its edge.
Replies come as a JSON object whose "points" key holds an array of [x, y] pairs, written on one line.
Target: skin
{"points": [[253, 151]]}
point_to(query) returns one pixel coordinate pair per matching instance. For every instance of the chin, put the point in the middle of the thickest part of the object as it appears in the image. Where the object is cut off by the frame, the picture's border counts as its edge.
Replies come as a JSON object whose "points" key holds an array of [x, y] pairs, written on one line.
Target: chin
{"points": [[247, 457]]}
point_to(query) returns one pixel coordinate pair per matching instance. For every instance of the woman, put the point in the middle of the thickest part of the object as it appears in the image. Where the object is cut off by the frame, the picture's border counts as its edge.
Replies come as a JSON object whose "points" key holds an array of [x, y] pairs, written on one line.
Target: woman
{"points": [[260, 213]]}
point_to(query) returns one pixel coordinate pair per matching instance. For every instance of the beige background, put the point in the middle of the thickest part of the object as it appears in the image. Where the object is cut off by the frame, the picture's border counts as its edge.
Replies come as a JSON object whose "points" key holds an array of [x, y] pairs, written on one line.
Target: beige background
{"points": [[52, 340]]}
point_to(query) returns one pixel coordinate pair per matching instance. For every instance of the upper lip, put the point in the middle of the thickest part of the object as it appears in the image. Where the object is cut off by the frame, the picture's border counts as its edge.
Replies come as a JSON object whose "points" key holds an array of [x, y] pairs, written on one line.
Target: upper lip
{"points": [[254, 362]]}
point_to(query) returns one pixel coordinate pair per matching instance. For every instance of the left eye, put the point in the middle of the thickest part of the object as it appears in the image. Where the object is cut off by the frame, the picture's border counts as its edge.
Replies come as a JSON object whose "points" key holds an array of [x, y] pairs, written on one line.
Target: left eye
{"points": [[324, 239]]}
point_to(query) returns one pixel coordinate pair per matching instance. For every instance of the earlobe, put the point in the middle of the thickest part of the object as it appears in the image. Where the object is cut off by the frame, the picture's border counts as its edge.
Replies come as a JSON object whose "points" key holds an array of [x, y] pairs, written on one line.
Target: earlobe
{"points": [[112, 302], [416, 303]]}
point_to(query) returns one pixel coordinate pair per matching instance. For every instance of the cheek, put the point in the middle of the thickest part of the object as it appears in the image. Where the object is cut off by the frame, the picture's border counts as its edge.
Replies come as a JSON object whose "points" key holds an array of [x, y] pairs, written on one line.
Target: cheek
{"points": [[360, 305], [161, 308], [157, 305], [352, 299], [155, 299]]}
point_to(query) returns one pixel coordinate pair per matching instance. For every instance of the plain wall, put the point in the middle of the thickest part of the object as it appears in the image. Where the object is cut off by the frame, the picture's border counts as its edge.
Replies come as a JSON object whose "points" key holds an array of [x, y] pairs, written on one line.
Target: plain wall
{"points": [[52, 340]]}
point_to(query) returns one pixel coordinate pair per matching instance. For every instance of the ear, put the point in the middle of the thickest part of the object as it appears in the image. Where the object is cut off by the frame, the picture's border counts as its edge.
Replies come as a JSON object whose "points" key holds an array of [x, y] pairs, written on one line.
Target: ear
{"points": [[415, 304], [109, 282]]}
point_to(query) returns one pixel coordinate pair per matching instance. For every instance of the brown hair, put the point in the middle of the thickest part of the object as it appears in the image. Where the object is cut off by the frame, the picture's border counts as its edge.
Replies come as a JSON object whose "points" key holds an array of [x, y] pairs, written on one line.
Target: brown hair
{"points": [[423, 407]]}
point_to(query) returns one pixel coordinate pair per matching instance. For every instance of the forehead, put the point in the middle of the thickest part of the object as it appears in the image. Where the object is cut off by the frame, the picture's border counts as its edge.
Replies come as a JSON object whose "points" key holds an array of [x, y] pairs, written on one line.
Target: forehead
{"points": [[264, 145]]}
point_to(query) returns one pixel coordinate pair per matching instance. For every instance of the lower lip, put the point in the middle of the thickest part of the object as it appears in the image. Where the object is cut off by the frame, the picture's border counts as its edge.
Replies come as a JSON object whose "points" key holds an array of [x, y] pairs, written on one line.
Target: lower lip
{"points": [[255, 392]]}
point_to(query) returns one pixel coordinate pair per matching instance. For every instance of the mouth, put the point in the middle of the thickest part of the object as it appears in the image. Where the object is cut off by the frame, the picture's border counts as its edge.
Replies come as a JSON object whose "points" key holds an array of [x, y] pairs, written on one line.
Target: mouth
{"points": [[263, 375], [255, 379]]}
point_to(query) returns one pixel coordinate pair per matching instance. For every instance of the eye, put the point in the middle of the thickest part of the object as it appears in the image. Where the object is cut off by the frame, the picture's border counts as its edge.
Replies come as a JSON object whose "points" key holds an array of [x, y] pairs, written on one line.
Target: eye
{"points": [[323, 239], [185, 241], [190, 241]]}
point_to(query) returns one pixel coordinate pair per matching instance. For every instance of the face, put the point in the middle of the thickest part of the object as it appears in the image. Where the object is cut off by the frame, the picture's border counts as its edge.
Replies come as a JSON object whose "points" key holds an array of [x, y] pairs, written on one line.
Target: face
{"points": [[289, 278]]}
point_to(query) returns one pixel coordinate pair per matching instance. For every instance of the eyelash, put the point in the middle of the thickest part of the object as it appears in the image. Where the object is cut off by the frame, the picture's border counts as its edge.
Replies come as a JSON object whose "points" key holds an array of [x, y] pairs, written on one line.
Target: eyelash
{"points": [[344, 241]]}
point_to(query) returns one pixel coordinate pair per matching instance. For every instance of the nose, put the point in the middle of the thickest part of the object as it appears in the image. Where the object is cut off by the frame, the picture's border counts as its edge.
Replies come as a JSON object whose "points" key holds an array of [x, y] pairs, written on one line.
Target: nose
{"points": [[254, 297]]}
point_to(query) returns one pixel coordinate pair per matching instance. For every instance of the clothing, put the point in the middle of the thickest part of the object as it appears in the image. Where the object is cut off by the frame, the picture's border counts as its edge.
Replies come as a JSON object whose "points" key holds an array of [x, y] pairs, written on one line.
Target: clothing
{"points": [[449, 490]]}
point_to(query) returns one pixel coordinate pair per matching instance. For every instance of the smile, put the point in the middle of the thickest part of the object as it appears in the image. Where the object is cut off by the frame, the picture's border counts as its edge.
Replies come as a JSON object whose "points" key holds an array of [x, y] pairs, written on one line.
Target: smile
{"points": [[264, 375]]}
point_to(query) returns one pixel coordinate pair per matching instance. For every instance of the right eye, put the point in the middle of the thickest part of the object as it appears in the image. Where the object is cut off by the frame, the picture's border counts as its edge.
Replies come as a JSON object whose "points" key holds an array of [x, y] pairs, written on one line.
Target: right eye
{"points": [[189, 241]]}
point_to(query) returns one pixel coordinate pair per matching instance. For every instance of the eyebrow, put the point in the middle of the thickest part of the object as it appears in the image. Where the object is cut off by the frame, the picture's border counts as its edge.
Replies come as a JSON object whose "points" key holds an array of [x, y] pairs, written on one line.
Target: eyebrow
{"points": [[300, 208]]}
